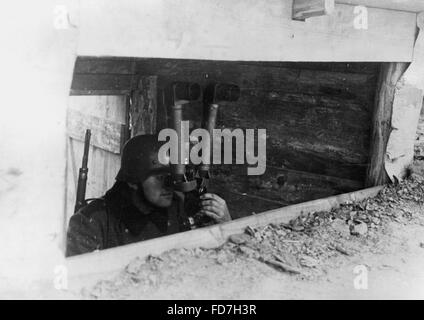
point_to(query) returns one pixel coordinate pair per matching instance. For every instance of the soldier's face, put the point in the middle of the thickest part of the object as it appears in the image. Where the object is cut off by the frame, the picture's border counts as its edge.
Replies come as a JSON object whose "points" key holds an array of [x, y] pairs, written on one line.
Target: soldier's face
{"points": [[157, 191]]}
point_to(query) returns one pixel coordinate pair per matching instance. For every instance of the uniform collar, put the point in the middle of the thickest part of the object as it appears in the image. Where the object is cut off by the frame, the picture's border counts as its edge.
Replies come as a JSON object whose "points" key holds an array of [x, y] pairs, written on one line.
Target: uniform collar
{"points": [[135, 218]]}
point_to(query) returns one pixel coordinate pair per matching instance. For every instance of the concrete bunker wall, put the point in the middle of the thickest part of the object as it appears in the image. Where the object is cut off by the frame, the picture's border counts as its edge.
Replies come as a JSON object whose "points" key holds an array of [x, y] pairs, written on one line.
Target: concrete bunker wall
{"points": [[43, 41]]}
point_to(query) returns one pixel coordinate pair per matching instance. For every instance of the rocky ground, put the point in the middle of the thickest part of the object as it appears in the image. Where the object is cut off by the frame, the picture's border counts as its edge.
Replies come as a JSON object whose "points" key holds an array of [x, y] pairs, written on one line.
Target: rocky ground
{"points": [[371, 249]]}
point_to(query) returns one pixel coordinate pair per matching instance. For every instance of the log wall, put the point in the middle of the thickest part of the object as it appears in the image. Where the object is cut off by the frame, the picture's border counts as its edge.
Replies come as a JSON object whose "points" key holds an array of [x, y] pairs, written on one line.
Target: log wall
{"points": [[317, 115]]}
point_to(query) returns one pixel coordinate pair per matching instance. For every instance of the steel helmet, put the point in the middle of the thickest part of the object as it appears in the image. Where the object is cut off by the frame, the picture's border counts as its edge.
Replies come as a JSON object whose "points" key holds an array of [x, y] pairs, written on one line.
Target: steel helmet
{"points": [[140, 158]]}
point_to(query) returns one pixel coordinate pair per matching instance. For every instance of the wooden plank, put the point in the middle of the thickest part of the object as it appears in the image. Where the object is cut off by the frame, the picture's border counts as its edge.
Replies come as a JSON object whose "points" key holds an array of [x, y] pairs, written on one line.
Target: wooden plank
{"points": [[88, 92], [306, 78], [303, 9], [241, 200], [89, 65], [311, 161], [111, 108], [152, 65], [126, 127], [144, 106], [297, 131], [98, 113], [407, 104], [318, 119], [166, 29], [105, 134], [102, 169], [252, 194], [389, 76], [104, 82], [163, 114], [87, 268], [293, 176]]}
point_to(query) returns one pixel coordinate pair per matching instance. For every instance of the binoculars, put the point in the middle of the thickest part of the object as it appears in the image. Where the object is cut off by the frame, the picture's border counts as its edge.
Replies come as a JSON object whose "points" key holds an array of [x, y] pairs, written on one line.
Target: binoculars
{"points": [[194, 182], [181, 93]]}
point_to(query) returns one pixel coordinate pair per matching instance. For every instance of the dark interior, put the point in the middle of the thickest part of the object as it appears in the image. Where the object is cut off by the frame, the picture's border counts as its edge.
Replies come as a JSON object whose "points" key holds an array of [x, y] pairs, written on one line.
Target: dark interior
{"points": [[317, 117]]}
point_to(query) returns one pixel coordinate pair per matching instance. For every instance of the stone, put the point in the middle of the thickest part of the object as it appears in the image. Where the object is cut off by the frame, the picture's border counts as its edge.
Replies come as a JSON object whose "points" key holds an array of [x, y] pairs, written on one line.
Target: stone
{"points": [[221, 258], [250, 231], [249, 252], [239, 238], [359, 229], [307, 261], [134, 266], [297, 228], [286, 257], [340, 226], [281, 232], [198, 252], [342, 250], [153, 279]]}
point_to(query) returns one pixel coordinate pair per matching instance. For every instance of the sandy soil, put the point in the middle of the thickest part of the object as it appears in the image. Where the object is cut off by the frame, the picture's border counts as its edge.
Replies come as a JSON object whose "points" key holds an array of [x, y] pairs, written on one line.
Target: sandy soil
{"points": [[368, 250]]}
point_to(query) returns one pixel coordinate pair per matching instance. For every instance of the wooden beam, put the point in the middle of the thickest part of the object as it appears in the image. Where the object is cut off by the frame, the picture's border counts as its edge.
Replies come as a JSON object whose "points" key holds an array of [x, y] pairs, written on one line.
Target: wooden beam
{"points": [[303, 9], [390, 74], [336, 182], [126, 127], [101, 82], [89, 92], [86, 269], [246, 196], [407, 104], [276, 188], [90, 65], [143, 110]]}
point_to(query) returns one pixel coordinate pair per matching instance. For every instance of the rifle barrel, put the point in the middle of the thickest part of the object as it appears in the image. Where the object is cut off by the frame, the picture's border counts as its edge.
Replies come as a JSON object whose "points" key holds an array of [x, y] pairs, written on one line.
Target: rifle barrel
{"points": [[82, 176]]}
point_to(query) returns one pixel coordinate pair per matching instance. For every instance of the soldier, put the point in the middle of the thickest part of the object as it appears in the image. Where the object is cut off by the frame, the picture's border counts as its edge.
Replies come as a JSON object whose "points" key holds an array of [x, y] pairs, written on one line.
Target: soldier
{"points": [[141, 205]]}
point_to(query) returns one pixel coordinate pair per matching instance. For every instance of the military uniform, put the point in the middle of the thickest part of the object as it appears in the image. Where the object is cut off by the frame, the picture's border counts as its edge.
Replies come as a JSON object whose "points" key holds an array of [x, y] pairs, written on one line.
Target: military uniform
{"points": [[114, 221]]}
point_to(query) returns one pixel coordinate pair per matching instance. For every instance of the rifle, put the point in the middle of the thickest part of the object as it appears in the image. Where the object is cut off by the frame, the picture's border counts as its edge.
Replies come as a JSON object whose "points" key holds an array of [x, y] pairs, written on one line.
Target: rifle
{"points": [[82, 176]]}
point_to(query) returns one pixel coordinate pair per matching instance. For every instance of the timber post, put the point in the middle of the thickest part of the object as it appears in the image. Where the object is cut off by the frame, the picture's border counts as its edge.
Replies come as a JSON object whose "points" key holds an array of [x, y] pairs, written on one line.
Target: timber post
{"points": [[390, 74], [398, 105], [407, 105]]}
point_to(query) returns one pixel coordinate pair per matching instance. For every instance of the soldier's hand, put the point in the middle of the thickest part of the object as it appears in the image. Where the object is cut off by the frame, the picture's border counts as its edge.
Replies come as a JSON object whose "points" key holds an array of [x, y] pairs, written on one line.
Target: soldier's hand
{"points": [[214, 207]]}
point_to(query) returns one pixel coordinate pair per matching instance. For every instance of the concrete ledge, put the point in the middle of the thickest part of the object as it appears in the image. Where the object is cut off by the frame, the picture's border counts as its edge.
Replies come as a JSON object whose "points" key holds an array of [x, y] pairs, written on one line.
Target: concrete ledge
{"points": [[86, 269], [168, 29]]}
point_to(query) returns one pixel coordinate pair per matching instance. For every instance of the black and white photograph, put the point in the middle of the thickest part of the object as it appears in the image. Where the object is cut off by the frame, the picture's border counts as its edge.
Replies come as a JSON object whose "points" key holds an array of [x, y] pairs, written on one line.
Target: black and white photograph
{"points": [[212, 150]]}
